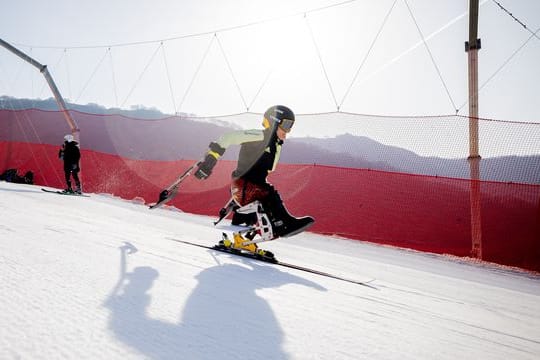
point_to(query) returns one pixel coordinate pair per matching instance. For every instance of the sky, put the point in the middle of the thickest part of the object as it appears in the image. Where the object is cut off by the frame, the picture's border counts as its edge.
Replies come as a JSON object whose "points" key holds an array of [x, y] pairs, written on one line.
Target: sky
{"points": [[100, 277], [211, 58]]}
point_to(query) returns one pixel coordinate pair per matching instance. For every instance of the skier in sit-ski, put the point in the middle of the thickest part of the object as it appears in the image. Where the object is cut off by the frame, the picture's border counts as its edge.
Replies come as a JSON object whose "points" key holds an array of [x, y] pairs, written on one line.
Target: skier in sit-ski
{"points": [[259, 155]]}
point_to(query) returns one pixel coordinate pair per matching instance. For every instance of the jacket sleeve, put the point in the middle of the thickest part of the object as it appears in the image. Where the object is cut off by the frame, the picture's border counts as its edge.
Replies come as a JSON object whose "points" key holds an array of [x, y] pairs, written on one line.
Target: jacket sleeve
{"points": [[77, 154], [240, 137]]}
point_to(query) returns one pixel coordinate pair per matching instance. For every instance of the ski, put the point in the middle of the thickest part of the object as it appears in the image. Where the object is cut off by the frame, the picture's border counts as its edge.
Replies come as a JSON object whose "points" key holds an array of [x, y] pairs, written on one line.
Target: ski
{"points": [[63, 193], [169, 193], [274, 261]]}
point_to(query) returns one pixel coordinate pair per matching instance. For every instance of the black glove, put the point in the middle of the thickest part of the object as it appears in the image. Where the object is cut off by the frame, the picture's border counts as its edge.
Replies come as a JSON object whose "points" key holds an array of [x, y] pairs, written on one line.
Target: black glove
{"points": [[163, 195], [74, 167], [205, 169], [214, 153]]}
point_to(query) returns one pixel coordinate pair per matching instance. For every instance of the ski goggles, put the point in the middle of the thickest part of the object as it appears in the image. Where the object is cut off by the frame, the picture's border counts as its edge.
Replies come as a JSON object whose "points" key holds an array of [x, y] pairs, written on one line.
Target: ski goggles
{"points": [[286, 125]]}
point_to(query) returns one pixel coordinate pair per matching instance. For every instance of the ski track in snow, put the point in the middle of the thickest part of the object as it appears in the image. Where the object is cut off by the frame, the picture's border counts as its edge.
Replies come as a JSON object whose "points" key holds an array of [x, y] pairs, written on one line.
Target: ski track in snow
{"points": [[96, 278]]}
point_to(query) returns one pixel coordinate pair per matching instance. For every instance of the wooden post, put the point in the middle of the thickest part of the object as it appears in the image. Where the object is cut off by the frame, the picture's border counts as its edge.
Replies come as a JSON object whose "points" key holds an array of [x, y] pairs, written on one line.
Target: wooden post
{"points": [[471, 47]]}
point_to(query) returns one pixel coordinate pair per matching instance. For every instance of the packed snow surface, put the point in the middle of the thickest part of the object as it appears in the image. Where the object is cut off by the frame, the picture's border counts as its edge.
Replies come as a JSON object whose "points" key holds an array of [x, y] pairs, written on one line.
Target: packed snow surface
{"points": [[100, 278]]}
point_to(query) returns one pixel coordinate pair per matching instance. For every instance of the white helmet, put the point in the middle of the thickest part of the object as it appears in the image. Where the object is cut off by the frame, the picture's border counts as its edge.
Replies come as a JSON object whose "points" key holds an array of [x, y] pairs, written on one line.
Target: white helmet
{"points": [[69, 138]]}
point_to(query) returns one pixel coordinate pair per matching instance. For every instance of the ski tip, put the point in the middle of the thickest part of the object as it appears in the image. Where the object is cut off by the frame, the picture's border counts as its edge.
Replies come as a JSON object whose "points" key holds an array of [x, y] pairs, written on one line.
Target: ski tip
{"points": [[368, 284]]}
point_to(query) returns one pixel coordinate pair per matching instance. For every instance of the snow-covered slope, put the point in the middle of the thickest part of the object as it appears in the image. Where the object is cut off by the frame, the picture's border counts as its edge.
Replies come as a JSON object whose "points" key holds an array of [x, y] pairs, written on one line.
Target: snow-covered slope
{"points": [[98, 278]]}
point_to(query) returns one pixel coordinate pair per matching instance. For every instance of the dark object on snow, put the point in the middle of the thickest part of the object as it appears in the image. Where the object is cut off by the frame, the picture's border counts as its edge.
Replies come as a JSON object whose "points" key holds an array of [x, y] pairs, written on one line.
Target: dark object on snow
{"points": [[10, 175]]}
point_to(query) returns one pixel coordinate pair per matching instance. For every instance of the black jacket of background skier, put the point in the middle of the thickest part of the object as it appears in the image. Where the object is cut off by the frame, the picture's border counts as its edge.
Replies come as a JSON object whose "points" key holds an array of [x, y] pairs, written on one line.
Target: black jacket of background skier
{"points": [[71, 155]]}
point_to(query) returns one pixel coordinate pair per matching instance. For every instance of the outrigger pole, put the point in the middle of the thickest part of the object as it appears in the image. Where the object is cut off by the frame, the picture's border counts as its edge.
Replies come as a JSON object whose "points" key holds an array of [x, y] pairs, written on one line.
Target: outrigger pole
{"points": [[43, 69]]}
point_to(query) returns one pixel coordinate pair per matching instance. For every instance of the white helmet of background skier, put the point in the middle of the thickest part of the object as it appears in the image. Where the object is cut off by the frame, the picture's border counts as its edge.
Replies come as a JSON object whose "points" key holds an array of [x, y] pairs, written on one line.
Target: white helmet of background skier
{"points": [[280, 115], [69, 138]]}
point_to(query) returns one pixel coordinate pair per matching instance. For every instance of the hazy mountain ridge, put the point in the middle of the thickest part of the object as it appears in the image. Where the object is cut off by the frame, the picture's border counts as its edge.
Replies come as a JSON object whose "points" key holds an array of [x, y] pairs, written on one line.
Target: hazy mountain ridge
{"points": [[50, 104], [189, 138], [504, 168]]}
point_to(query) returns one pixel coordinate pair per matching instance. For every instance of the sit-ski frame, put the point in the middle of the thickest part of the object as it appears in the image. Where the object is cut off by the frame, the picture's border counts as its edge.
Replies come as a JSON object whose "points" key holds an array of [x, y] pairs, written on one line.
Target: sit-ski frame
{"points": [[263, 226]]}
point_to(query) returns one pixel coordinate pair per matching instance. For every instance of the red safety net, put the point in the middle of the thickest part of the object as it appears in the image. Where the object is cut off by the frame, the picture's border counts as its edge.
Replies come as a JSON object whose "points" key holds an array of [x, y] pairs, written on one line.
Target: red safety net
{"points": [[422, 212]]}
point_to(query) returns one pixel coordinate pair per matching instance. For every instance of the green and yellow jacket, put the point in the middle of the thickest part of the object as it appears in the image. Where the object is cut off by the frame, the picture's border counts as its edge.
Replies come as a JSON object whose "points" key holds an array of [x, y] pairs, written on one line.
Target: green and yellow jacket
{"points": [[259, 153]]}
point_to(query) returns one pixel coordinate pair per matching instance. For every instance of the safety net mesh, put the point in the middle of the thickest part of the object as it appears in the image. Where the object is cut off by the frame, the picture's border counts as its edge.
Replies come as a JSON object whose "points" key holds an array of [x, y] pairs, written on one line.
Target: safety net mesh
{"points": [[402, 181]]}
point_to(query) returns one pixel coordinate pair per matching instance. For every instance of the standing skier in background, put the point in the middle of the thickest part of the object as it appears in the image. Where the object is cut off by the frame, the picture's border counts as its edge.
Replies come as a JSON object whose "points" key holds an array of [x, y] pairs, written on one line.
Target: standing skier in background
{"points": [[259, 154], [71, 155]]}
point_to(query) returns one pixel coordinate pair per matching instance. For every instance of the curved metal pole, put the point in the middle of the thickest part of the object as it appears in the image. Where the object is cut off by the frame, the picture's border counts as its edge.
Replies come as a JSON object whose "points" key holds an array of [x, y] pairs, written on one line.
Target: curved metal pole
{"points": [[43, 69]]}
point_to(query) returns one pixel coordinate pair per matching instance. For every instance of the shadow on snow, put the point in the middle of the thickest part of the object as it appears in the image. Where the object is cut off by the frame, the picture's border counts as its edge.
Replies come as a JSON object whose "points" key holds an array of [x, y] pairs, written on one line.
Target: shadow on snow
{"points": [[223, 317]]}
